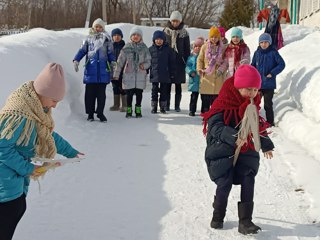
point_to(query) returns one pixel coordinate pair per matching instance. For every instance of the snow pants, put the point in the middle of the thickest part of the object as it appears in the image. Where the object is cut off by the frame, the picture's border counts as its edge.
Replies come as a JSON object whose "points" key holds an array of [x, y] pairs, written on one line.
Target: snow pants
{"points": [[10, 214]]}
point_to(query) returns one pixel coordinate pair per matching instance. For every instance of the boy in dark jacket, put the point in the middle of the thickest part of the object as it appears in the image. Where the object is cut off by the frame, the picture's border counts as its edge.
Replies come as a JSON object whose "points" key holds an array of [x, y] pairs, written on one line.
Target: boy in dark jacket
{"points": [[118, 44], [161, 70], [269, 63], [231, 154]]}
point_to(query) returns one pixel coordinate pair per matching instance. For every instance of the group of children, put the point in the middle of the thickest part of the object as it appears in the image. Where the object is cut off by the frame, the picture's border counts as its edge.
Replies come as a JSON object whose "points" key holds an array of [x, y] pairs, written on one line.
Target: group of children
{"points": [[230, 85], [213, 61]]}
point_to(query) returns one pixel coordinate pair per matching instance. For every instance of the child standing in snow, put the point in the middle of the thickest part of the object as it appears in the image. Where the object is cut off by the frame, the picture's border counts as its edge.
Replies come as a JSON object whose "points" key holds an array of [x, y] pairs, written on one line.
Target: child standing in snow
{"points": [[134, 59], [231, 154], [119, 95], [237, 52], [269, 63], [211, 67], [26, 127], [161, 70], [194, 78], [98, 49]]}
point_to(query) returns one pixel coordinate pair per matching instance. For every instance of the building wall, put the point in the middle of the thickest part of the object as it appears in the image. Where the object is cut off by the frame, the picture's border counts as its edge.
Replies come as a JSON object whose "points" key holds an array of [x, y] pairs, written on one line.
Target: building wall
{"points": [[309, 13]]}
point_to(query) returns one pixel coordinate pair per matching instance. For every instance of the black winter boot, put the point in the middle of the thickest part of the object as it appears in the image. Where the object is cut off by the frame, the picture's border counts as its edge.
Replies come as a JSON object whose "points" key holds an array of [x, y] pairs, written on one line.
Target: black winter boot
{"points": [[163, 106], [219, 213], [177, 103], [154, 106], [246, 226]]}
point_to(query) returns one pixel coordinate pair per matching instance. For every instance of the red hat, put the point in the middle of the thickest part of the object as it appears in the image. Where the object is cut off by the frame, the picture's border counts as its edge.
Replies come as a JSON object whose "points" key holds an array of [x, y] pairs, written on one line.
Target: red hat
{"points": [[247, 76], [222, 31]]}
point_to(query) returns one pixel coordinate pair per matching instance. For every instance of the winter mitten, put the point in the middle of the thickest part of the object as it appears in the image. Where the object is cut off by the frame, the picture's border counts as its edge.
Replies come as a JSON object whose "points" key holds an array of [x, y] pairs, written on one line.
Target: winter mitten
{"points": [[76, 65]]}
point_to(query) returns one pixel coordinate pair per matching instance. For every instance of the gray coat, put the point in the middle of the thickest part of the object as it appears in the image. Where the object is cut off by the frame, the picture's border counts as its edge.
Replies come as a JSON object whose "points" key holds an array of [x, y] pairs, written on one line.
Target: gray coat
{"points": [[130, 58]]}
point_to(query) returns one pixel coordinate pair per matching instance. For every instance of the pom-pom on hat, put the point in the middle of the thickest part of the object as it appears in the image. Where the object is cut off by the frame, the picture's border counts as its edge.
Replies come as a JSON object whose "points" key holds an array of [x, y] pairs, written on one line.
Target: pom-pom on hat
{"points": [[214, 32], [159, 34], [176, 15], [198, 42], [247, 76], [116, 31], [100, 22], [265, 37], [136, 30], [222, 31], [236, 32], [50, 82]]}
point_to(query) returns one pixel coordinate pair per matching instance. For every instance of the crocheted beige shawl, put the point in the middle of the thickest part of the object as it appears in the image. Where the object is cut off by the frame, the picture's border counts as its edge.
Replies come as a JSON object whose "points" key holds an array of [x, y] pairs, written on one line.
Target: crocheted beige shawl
{"points": [[22, 104]]}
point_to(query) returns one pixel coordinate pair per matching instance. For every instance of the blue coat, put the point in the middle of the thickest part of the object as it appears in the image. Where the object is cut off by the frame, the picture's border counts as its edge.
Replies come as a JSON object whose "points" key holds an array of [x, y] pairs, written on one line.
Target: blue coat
{"points": [[221, 145], [268, 61], [15, 166], [98, 61], [194, 82]]}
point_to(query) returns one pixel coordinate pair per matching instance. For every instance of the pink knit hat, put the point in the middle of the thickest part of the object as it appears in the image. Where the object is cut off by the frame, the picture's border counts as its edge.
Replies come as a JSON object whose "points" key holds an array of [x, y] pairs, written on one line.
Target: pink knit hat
{"points": [[247, 76], [222, 31], [198, 42], [50, 82]]}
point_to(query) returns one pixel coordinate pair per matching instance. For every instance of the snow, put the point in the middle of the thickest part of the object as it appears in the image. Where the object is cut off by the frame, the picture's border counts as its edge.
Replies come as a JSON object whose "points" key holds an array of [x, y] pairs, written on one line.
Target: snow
{"points": [[146, 178]]}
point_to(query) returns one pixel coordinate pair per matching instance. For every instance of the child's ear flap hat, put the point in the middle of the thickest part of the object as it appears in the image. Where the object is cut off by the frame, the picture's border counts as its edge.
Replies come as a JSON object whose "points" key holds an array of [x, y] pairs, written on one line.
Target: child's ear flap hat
{"points": [[247, 76], [100, 22]]}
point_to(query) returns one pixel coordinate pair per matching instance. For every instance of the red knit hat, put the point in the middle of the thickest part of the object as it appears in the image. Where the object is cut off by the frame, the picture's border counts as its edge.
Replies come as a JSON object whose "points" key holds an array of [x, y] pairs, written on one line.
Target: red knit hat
{"points": [[50, 82], [247, 76]]}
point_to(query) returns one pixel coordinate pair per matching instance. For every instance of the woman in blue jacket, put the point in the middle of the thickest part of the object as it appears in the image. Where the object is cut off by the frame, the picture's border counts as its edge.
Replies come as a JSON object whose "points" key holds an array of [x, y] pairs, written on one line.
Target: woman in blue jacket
{"points": [[26, 131], [269, 63], [98, 49]]}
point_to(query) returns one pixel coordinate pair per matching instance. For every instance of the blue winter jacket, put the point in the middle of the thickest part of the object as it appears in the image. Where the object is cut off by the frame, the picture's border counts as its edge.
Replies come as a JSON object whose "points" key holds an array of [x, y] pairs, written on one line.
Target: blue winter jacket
{"points": [[191, 66], [268, 61], [98, 61], [15, 166]]}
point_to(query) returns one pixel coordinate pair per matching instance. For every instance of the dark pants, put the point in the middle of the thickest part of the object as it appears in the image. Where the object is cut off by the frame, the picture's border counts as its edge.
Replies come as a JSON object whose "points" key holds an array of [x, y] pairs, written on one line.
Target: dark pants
{"points": [[178, 89], [95, 92], [193, 102], [117, 87], [161, 88], [130, 93], [206, 101], [10, 214], [267, 95], [224, 185]]}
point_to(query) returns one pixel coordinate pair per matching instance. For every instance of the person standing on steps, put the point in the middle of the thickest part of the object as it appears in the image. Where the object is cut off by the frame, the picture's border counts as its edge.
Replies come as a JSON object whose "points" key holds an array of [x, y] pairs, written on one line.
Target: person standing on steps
{"points": [[179, 40], [98, 49], [231, 153], [119, 95]]}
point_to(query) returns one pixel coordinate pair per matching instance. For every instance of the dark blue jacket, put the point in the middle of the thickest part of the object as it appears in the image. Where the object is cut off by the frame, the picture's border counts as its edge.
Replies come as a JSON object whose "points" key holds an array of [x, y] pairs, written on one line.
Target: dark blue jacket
{"points": [[268, 61], [162, 63], [221, 145], [98, 61]]}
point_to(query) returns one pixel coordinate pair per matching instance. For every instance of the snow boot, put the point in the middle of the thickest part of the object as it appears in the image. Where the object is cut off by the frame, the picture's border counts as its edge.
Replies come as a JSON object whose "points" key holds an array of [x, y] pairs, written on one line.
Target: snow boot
{"points": [[129, 112], [102, 117], [116, 103], [154, 105], [90, 118], [219, 213], [177, 103], [137, 111], [246, 226], [163, 105], [123, 107]]}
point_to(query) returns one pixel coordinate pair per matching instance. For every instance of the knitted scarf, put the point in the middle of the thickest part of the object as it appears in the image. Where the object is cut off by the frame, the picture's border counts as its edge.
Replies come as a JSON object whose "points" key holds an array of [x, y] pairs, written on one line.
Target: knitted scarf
{"points": [[174, 33], [234, 106], [136, 49], [23, 104], [238, 51], [213, 53], [98, 39]]}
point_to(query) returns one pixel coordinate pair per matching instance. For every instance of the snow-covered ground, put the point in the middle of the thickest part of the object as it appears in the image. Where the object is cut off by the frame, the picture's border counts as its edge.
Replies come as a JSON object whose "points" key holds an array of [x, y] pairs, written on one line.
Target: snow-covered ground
{"points": [[146, 179]]}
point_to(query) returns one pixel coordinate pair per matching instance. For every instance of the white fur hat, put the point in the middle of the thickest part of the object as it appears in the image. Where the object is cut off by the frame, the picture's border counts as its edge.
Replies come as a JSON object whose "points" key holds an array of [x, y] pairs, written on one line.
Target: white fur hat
{"points": [[100, 22], [176, 15]]}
